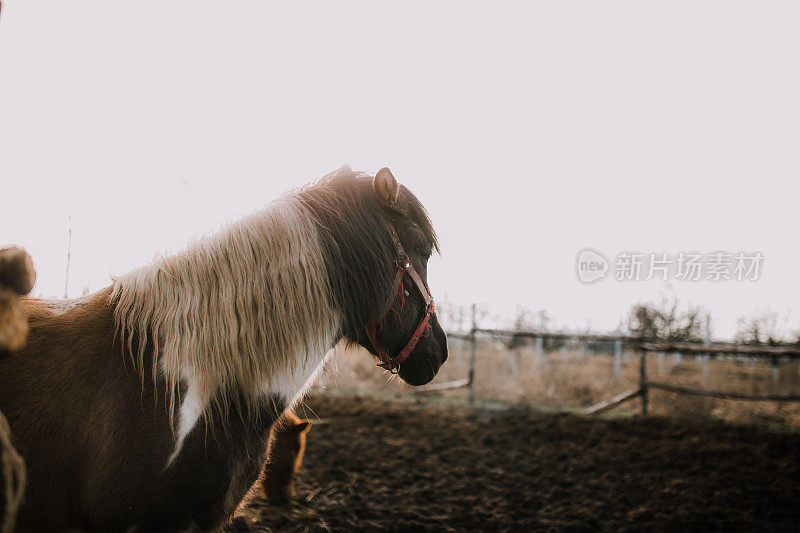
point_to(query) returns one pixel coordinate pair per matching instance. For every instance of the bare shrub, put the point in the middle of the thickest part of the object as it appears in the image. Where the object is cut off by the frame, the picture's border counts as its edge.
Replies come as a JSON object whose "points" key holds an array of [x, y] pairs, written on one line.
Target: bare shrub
{"points": [[667, 321], [765, 326]]}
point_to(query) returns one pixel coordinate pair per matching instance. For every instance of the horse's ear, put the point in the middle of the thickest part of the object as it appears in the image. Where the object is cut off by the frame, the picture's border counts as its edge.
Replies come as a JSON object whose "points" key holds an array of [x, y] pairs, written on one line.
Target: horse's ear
{"points": [[386, 188], [303, 426]]}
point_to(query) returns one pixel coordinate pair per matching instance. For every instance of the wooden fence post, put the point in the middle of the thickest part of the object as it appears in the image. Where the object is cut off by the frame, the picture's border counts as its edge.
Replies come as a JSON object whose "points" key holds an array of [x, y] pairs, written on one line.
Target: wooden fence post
{"points": [[512, 360], [707, 342], [538, 352], [617, 357], [643, 379], [473, 342]]}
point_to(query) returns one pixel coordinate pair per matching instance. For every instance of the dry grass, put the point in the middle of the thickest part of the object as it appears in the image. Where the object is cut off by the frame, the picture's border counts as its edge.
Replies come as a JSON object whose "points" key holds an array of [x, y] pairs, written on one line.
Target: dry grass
{"points": [[573, 378]]}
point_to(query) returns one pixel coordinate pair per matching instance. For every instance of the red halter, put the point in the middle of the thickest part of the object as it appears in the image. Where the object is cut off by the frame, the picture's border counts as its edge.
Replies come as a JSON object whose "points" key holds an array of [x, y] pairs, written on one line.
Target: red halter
{"points": [[404, 267]]}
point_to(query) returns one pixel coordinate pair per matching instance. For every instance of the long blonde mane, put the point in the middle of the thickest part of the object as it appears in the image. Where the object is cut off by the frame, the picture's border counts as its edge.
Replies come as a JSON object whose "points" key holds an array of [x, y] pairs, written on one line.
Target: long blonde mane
{"points": [[232, 313]]}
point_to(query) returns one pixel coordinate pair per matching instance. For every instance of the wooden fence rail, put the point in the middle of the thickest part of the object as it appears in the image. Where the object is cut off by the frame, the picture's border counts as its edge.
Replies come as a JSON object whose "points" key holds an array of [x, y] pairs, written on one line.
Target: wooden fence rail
{"points": [[725, 395], [792, 351]]}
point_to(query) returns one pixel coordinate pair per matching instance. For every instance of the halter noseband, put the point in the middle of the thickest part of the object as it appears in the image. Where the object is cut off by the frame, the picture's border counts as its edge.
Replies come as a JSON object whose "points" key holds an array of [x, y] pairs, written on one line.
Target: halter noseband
{"points": [[404, 266]]}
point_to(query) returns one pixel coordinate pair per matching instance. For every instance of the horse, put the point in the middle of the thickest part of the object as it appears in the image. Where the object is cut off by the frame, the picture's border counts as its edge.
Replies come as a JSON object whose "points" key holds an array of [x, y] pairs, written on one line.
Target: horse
{"points": [[17, 277], [147, 405], [287, 443]]}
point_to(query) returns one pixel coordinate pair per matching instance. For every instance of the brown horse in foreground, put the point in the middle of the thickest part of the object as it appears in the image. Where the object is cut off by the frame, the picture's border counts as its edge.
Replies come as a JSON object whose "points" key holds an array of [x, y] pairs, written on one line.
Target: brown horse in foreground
{"points": [[147, 405]]}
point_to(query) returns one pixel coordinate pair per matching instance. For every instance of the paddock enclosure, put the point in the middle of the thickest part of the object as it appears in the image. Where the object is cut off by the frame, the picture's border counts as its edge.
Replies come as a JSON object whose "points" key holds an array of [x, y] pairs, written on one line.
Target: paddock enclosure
{"points": [[398, 465]]}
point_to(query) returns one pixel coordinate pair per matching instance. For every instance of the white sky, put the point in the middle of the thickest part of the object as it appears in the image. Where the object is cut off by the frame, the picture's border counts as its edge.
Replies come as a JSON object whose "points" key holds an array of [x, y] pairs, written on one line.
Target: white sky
{"points": [[530, 131]]}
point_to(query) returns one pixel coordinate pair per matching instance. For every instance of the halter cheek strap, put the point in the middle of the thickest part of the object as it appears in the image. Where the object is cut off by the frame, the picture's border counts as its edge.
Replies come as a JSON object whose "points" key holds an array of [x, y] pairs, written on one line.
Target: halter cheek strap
{"points": [[404, 266]]}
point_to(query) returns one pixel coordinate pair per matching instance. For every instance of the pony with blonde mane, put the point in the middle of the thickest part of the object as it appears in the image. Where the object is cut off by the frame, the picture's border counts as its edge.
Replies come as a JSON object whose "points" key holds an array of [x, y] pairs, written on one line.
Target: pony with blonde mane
{"points": [[148, 405]]}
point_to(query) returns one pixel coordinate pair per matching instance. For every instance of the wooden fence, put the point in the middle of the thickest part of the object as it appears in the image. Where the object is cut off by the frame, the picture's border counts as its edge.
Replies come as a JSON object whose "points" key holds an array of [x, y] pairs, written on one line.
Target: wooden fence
{"points": [[642, 349]]}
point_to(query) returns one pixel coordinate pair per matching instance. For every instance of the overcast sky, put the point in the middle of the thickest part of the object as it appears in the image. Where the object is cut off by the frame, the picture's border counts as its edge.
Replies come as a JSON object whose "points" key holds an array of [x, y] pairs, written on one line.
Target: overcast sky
{"points": [[529, 130]]}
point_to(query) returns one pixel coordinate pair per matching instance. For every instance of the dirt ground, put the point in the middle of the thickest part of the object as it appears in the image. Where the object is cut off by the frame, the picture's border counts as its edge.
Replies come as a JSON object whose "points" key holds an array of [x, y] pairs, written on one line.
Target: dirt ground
{"points": [[398, 466]]}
